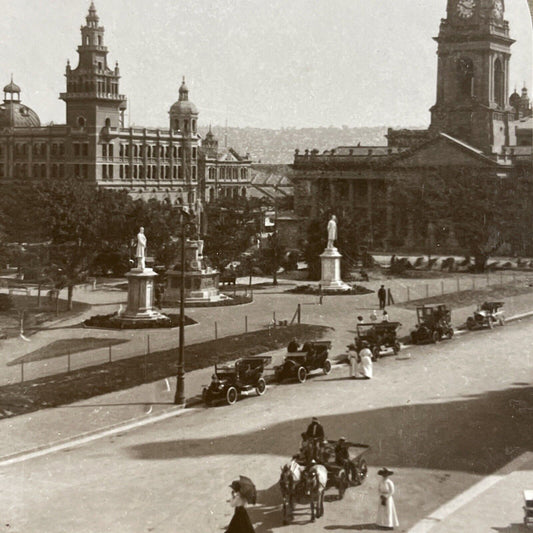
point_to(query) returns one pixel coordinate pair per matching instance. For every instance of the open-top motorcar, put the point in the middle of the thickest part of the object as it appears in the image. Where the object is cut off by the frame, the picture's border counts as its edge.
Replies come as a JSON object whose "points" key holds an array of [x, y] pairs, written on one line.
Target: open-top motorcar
{"points": [[230, 380], [378, 336], [488, 314], [298, 364], [433, 324]]}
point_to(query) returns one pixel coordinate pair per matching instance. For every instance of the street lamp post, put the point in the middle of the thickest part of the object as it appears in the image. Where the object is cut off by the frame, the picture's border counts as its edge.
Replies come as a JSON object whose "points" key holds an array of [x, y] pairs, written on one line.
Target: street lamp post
{"points": [[179, 398]]}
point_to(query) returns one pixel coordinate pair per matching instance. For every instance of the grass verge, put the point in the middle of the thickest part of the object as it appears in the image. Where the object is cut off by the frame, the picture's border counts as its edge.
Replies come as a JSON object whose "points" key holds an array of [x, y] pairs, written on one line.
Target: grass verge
{"points": [[66, 388]]}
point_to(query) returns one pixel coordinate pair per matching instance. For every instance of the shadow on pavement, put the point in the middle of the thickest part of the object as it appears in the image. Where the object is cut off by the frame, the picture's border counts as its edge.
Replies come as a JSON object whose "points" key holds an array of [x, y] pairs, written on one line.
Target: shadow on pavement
{"points": [[476, 435], [357, 527]]}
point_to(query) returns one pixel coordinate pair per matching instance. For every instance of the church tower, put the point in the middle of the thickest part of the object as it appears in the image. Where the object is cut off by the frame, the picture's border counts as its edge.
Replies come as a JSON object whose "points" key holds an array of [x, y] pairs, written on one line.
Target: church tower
{"points": [[474, 49], [92, 96]]}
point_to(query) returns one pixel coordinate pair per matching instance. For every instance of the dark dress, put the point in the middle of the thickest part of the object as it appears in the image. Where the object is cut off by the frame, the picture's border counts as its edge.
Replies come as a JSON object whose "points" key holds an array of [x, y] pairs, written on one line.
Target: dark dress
{"points": [[240, 522]]}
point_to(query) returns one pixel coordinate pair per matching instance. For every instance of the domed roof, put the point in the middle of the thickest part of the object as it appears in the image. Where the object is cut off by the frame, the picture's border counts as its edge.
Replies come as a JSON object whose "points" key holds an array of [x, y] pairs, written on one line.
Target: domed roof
{"points": [[183, 106], [12, 87], [17, 115]]}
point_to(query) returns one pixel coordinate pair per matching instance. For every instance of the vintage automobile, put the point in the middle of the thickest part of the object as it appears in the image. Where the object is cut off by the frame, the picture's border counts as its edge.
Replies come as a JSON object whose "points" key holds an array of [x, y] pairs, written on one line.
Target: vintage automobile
{"points": [[528, 508], [298, 364], [433, 324], [487, 315], [379, 336], [229, 381]]}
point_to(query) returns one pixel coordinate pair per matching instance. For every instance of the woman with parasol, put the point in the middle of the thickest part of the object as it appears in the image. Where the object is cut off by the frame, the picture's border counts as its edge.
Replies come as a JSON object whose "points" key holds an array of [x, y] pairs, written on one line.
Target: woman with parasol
{"points": [[242, 492]]}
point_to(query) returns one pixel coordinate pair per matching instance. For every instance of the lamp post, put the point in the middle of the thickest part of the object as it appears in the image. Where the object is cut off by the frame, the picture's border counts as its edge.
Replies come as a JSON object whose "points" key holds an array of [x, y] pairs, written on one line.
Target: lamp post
{"points": [[179, 398]]}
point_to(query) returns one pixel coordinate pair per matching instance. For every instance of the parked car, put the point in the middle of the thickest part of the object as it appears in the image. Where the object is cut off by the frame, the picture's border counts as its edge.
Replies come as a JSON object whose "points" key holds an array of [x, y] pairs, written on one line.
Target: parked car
{"points": [[487, 315], [298, 364], [433, 324]]}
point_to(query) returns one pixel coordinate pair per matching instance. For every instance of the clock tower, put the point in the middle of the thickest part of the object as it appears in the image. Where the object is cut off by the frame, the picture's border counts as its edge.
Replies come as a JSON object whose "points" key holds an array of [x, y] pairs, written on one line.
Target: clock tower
{"points": [[474, 49]]}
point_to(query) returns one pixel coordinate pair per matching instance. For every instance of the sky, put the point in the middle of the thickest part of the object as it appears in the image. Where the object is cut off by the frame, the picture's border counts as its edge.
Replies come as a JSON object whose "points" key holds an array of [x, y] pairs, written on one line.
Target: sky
{"points": [[266, 64]]}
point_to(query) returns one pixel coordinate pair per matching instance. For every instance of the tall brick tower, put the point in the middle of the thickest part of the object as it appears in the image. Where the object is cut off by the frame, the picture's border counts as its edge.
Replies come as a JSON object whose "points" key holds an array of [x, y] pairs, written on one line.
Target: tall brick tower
{"points": [[474, 49], [92, 96]]}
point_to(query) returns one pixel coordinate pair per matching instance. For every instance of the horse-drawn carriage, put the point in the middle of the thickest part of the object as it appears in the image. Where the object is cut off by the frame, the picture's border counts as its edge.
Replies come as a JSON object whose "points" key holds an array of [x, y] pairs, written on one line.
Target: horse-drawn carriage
{"points": [[309, 479], [378, 336], [229, 381], [298, 364]]}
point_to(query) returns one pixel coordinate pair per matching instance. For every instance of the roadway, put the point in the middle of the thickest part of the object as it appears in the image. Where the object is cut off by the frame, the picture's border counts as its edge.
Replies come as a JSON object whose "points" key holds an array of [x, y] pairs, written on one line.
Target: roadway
{"points": [[444, 417]]}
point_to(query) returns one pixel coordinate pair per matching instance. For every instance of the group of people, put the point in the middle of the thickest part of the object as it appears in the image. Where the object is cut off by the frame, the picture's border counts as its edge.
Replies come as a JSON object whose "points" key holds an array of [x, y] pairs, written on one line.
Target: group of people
{"points": [[361, 366]]}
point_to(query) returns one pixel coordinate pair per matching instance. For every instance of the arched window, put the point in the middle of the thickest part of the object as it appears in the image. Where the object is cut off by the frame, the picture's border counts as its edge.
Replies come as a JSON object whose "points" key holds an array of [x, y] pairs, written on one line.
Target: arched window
{"points": [[99, 40], [465, 77], [499, 83], [87, 40], [107, 122], [81, 122]]}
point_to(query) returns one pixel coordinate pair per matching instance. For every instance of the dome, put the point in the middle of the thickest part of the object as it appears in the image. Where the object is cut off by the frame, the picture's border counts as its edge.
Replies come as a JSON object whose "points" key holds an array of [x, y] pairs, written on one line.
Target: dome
{"points": [[17, 115], [12, 87], [183, 106]]}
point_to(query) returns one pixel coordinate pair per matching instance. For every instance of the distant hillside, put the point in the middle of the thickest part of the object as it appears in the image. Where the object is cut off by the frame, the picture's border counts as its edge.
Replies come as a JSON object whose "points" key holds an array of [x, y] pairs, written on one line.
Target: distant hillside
{"points": [[277, 146]]}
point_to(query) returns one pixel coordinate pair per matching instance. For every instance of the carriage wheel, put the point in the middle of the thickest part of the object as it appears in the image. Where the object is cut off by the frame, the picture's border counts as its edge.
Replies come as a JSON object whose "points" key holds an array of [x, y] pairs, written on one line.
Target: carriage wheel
{"points": [[470, 323], [361, 472], [342, 484], [396, 347], [435, 336], [301, 375], [450, 332], [231, 395], [327, 367], [261, 387], [375, 353], [490, 322], [502, 321]]}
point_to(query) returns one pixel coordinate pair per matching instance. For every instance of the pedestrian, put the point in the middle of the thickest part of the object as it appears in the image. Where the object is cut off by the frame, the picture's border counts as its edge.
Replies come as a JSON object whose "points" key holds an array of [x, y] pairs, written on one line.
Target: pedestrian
{"points": [[373, 316], [382, 297], [360, 320], [320, 295], [385, 316], [354, 361], [365, 367], [387, 516], [240, 522]]}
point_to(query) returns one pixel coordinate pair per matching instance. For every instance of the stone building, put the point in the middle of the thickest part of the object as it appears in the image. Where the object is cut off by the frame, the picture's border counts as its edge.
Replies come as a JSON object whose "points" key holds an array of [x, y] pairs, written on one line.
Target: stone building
{"points": [[473, 126], [95, 143]]}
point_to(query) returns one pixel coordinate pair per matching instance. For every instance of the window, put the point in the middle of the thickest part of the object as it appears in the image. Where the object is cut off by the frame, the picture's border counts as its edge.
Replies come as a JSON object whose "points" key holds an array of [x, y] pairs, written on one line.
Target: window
{"points": [[81, 122], [85, 149], [110, 150], [110, 171], [104, 150], [194, 153], [127, 150], [175, 151], [107, 122], [465, 77], [61, 149], [121, 150], [76, 148], [499, 83], [194, 173], [100, 42]]}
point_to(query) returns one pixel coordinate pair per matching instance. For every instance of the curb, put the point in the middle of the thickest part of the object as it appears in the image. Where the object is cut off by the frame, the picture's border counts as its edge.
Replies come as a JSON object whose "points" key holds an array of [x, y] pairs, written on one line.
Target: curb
{"points": [[132, 423]]}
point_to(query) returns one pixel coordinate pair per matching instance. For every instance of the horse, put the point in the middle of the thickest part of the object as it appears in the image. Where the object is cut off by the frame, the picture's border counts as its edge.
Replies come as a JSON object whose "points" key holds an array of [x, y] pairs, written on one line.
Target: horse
{"points": [[286, 485], [314, 480]]}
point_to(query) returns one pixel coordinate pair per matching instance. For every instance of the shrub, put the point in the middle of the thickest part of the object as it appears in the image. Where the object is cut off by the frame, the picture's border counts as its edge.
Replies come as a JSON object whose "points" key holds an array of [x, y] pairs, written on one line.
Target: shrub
{"points": [[6, 302]]}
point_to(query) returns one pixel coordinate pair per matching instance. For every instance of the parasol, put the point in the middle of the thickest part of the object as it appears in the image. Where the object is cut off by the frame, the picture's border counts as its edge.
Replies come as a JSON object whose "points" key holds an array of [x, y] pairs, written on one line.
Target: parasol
{"points": [[248, 489]]}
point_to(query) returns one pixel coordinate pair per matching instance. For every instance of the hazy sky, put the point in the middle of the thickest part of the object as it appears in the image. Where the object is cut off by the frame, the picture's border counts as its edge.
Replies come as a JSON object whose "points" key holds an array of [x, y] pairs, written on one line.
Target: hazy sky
{"points": [[259, 63]]}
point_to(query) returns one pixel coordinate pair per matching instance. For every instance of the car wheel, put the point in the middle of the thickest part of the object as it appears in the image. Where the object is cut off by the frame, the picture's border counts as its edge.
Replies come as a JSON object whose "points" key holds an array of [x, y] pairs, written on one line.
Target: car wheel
{"points": [[206, 397], [502, 321], [396, 347], [450, 332], [231, 395], [435, 337], [490, 322], [301, 375], [413, 337], [261, 386], [470, 323], [327, 367], [375, 353]]}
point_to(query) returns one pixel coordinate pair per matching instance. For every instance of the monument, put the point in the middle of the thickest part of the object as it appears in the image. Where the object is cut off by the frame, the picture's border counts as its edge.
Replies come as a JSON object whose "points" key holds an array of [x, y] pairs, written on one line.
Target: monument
{"points": [[201, 281], [330, 258], [140, 287]]}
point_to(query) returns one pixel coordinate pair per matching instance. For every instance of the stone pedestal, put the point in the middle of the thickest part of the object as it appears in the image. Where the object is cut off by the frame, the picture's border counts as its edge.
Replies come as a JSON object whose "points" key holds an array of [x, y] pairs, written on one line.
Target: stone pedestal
{"points": [[140, 296], [331, 271]]}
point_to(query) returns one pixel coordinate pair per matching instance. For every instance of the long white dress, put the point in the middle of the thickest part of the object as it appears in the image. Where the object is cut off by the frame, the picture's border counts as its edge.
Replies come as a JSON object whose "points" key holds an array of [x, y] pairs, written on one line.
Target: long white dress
{"points": [[365, 366], [387, 516]]}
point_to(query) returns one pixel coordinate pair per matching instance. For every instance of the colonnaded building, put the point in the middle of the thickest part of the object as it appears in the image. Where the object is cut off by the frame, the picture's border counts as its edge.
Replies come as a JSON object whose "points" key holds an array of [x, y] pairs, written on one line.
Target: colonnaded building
{"points": [[95, 144], [473, 125]]}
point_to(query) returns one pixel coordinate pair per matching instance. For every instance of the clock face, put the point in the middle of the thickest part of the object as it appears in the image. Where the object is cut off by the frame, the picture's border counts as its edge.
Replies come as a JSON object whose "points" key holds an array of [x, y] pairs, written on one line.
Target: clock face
{"points": [[465, 8], [497, 9]]}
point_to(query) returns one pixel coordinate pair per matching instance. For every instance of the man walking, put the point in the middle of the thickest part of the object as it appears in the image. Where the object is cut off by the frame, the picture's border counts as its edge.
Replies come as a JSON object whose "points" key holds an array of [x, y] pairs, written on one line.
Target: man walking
{"points": [[382, 297]]}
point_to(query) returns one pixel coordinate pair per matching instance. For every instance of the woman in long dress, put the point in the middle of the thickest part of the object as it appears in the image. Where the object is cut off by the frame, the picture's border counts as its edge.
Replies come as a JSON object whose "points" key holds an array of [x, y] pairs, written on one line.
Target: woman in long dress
{"points": [[240, 522], [364, 368], [387, 516]]}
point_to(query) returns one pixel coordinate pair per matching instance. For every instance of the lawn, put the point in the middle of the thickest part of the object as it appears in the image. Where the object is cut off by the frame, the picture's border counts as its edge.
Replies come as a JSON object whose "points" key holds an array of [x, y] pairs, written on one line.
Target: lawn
{"points": [[85, 383]]}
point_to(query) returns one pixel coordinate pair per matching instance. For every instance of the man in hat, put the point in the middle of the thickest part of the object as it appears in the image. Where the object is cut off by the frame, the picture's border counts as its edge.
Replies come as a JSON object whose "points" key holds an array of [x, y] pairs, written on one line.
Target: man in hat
{"points": [[315, 435], [382, 297], [387, 516]]}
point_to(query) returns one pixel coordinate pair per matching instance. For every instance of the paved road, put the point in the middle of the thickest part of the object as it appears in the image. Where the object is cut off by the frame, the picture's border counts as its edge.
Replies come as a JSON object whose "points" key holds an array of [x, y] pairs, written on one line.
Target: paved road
{"points": [[443, 419]]}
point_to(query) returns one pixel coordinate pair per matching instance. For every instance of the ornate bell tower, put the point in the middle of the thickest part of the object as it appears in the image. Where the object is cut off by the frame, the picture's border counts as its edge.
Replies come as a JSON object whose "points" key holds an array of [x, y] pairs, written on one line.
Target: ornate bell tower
{"points": [[474, 49], [92, 96]]}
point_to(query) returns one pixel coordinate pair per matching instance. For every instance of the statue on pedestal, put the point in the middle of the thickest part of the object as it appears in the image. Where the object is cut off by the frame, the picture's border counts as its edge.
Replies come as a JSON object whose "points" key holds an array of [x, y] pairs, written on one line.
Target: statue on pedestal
{"points": [[141, 249], [332, 231]]}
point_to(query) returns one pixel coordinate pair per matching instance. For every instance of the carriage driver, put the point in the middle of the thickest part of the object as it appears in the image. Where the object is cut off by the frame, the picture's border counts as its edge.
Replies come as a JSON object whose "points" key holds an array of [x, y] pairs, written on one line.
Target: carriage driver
{"points": [[342, 458], [315, 436]]}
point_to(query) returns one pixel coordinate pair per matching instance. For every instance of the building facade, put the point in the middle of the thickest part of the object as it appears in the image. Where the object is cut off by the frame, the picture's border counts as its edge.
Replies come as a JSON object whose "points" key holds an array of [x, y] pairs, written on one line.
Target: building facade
{"points": [[473, 125], [96, 145]]}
